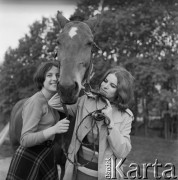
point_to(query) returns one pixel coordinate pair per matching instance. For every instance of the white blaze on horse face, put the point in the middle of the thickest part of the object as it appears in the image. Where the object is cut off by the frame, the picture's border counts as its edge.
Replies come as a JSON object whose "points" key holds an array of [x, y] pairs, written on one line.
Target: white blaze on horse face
{"points": [[73, 32]]}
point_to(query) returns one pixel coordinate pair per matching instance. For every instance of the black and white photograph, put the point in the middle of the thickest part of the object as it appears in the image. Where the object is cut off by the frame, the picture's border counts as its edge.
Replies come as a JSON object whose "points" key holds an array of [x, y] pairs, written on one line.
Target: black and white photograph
{"points": [[88, 89]]}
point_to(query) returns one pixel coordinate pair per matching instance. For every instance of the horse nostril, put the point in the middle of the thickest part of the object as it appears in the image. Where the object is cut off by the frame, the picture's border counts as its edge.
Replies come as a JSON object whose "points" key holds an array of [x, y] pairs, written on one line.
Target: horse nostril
{"points": [[69, 92], [76, 87]]}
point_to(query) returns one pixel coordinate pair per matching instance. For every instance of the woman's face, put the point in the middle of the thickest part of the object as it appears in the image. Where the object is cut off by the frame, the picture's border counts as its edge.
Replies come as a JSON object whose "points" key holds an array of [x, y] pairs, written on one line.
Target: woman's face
{"points": [[51, 79], [109, 86]]}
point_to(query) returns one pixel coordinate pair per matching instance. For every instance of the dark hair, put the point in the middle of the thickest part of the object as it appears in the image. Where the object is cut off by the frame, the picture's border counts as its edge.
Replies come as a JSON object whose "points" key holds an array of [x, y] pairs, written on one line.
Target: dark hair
{"points": [[124, 93], [39, 76]]}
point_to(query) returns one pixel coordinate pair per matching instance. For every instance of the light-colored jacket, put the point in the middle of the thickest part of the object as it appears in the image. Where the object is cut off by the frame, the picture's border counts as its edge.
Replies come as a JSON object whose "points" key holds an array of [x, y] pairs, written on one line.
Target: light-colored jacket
{"points": [[117, 143]]}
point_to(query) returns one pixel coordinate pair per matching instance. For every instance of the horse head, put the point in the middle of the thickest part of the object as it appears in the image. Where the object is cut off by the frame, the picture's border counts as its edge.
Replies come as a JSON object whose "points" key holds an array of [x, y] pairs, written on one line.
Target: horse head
{"points": [[75, 43]]}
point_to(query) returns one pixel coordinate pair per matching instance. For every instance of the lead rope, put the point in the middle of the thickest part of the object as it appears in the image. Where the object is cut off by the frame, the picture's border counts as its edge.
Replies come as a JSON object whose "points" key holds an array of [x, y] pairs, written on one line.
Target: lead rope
{"points": [[62, 135]]}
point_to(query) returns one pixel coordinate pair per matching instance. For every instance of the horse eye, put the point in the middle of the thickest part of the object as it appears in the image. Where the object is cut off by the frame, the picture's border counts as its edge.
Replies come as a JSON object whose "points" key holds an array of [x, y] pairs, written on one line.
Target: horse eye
{"points": [[90, 43], [95, 48]]}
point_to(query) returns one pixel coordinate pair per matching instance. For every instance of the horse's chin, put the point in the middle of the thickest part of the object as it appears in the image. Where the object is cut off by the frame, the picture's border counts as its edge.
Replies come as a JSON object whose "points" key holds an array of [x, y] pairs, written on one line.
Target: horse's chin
{"points": [[67, 95], [69, 101]]}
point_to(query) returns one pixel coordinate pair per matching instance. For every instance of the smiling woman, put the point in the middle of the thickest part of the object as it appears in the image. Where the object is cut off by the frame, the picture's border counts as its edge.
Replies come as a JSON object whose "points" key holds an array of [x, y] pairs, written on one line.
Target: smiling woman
{"points": [[40, 124]]}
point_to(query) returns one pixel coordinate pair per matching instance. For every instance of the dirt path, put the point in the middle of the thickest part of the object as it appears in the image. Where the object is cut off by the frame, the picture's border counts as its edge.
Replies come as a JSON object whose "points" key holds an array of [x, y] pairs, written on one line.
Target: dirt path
{"points": [[5, 158], [4, 166]]}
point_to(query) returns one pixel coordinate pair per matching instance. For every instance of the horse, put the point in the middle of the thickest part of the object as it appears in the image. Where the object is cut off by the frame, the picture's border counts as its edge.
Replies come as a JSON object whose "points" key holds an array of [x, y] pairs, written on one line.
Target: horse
{"points": [[75, 44]]}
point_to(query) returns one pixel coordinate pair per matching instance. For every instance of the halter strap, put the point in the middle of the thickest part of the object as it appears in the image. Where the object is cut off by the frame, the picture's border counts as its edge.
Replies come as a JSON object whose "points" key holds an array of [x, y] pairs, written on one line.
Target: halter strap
{"points": [[65, 111]]}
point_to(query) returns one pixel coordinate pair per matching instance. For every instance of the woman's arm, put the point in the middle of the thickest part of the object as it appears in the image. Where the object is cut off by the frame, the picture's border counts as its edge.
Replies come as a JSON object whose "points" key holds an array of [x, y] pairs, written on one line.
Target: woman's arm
{"points": [[119, 137], [61, 126], [55, 102], [31, 115], [119, 132]]}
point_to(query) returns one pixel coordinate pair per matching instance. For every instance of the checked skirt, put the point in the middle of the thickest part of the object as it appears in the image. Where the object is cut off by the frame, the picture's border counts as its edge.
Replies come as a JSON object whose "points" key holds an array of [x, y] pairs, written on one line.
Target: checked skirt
{"points": [[33, 163]]}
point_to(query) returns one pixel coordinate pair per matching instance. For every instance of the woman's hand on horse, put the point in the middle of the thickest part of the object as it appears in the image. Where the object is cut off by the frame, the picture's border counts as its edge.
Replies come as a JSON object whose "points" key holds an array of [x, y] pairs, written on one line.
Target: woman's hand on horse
{"points": [[62, 126]]}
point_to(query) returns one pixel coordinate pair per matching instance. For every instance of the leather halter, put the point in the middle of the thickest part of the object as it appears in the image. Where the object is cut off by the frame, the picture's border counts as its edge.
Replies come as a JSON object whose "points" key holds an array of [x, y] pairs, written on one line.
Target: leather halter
{"points": [[86, 85], [87, 90]]}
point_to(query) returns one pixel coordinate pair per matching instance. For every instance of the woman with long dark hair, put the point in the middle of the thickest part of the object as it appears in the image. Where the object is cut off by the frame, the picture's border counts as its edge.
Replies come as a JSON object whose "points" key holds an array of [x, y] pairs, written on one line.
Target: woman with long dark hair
{"points": [[102, 127]]}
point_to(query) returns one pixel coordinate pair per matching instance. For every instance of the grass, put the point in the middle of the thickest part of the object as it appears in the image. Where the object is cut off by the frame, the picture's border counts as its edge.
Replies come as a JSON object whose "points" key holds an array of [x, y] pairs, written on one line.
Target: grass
{"points": [[5, 150], [147, 150], [144, 150]]}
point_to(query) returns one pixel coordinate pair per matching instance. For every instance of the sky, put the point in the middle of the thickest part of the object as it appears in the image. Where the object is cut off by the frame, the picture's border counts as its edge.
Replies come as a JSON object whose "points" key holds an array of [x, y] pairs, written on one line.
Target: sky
{"points": [[17, 15]]}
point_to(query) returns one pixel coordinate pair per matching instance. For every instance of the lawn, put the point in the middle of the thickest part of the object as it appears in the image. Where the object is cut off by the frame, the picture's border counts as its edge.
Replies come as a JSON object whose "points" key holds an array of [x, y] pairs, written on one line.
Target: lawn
{"points": [[144, 150], [147, 150], [5, 150]]}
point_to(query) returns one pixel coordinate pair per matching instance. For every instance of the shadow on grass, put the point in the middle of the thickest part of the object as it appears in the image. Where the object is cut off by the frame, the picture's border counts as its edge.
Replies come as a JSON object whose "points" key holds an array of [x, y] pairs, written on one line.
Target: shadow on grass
{"points": [[147, 150]]}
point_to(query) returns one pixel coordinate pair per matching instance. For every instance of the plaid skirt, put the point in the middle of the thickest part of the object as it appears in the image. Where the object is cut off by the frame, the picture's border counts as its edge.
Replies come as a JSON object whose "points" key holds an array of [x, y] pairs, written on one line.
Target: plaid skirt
{"points": [[33, 163]]}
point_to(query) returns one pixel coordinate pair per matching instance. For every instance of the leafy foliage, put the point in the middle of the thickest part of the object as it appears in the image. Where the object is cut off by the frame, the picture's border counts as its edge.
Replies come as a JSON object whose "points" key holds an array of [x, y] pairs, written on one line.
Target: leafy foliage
{"points": [[20, 64], [140, 35]]}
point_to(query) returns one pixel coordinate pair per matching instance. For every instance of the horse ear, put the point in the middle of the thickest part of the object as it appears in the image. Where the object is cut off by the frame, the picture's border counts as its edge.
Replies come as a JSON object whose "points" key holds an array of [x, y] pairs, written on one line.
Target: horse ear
{"points": [[93, 22], [61, 20]]}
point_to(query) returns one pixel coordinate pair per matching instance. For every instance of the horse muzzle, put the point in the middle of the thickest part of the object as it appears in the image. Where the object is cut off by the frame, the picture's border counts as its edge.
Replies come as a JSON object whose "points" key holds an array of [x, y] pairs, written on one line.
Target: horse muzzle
{"points": [[68, 93]]}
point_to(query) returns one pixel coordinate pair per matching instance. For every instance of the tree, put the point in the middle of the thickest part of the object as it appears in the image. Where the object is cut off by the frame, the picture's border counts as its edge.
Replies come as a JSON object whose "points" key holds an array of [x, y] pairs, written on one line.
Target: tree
{"points": [[141, 36], [20, 64]]}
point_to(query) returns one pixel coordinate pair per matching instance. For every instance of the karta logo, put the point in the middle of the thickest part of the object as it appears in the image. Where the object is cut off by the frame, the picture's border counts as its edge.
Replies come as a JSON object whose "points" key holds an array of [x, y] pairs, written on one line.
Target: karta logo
{"points": [[114, 168]]}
